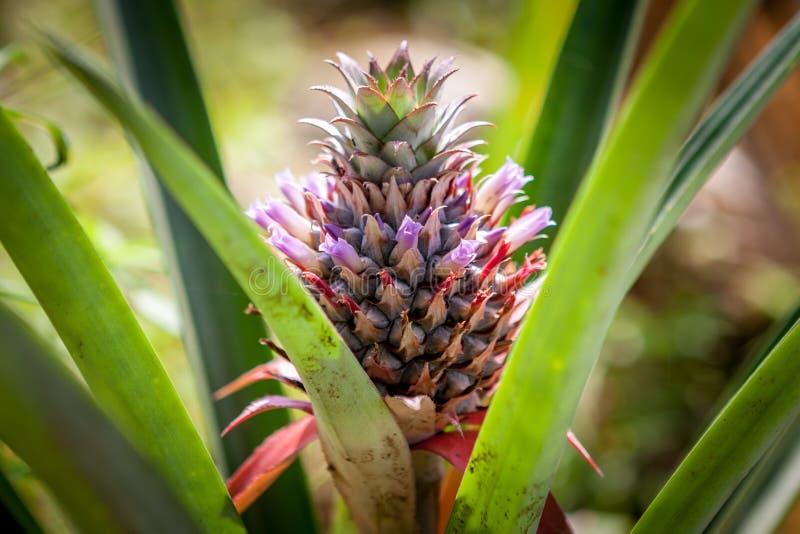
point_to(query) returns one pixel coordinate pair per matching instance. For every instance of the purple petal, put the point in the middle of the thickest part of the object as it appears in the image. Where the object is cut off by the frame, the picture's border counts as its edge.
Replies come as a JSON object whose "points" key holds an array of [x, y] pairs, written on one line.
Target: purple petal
{"points": [[284, 215], [463, 179], [504, 185], [461, 256], [257, 213], [342, 253], [295, 250], [318, 184], [527, 227], [490, 237], [408, 234], [335, 230], [380, 221], [291, 190], [466, 224]]}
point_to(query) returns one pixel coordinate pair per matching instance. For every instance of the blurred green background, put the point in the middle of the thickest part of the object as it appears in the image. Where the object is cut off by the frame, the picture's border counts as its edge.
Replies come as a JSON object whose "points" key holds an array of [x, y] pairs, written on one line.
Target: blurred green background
{"points": [[730, 270]]}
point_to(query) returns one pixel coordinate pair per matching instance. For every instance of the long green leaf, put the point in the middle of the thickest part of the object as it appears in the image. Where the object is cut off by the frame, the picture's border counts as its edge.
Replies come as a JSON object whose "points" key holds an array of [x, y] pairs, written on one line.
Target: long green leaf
{"points": [[761, 500], [51, 250], [754, 497], [754, 418], [147, 42], [522, 439], [535, 41], [719, 131], [51, 422], [12, 508], [588, 79], [368, 453]]}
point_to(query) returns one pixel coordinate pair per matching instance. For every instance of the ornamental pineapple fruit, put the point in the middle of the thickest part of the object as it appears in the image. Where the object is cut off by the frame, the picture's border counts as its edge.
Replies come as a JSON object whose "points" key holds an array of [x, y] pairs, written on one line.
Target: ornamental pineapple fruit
{"points": [[406, 256]]}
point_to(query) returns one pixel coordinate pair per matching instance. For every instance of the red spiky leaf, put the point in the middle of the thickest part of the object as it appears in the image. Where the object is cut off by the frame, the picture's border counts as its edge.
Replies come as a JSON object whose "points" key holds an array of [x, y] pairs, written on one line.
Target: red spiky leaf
{"points": [[573, 440], [269, 460], [277, 369], [266, 404]]}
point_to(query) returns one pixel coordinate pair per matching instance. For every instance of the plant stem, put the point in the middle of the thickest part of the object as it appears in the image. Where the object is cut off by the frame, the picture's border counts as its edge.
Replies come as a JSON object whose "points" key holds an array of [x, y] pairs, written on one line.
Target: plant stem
{"points": [[428, 474]]}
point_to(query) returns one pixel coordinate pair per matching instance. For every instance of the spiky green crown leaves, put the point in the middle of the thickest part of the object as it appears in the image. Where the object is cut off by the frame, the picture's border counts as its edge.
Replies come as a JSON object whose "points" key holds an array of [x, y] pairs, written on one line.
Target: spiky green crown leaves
{"points": [[390, 122]]}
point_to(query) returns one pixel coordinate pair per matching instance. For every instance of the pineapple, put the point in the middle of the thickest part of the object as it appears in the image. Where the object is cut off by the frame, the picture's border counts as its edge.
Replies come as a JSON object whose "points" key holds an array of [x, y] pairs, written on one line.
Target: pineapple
{"points": [[404, 248], [406, 257]]}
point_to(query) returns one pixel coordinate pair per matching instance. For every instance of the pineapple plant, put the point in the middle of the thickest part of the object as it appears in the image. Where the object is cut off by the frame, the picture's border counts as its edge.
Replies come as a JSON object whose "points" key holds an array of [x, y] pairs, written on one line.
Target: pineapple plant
{"points": [[400, 304], [409, 259]]}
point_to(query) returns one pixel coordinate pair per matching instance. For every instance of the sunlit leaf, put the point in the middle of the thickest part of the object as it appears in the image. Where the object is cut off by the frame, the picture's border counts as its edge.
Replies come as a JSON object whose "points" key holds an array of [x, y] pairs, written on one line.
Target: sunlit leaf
{"points": [[752, 421], [718, 132], [147, 42], [98, 328], [353, 421], [516, 454], [51, 422], [582, 95], [13, 510]]}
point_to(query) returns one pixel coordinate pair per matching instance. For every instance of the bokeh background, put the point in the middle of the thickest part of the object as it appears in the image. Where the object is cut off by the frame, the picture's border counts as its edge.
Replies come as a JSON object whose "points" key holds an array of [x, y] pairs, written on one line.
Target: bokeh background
{"points": [[729, 271]]}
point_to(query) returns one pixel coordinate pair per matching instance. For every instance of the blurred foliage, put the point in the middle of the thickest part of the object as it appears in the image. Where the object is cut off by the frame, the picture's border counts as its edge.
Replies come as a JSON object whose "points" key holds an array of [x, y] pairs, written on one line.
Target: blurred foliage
{"points": [[730, 270]]}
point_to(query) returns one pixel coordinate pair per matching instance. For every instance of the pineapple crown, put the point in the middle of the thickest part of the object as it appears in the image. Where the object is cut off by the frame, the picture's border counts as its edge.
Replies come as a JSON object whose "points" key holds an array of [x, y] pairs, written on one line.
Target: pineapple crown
{"points": [[408, 259], [390, 123]]}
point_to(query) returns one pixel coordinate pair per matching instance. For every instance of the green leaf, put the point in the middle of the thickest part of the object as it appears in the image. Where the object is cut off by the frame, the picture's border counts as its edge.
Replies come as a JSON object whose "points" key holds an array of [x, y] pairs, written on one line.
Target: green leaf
{"points": [[9, 55], [517, 453], [147, 42], [535, 42], [87, 309], [755, 417], [51, 422], [761, 501], [721, 128], [369, 455], [762, 496], [587, 82], [12, 509], [55, 133]]}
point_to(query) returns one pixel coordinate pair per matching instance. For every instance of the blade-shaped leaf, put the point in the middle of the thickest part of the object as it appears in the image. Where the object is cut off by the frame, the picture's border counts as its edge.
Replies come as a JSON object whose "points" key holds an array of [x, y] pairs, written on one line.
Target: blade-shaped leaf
{"points": [[456, 448], [586, 84], [265, 404], [763, 498], [13, 510], [56, 258], [147, 42], [367, 451], [52, 423], [719, 131], [516, 455], [533, 49], [269, 460], [762, 409]]}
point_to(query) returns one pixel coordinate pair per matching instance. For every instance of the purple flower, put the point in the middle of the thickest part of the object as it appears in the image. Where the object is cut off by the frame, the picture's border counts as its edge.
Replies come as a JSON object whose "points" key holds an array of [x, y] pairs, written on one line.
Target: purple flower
{"points": [[527, 227], [461, 256], [257, 213], [466, 224], [337, 232], [291, 190], [408, 234], [498, 191], [318, 184], [342, 253], [288, 218], [295, 250]]}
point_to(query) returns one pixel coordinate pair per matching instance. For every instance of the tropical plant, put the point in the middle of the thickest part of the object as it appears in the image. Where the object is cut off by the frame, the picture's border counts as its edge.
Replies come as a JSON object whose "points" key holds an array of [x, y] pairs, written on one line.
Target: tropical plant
{"points": [[413, 324]]}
